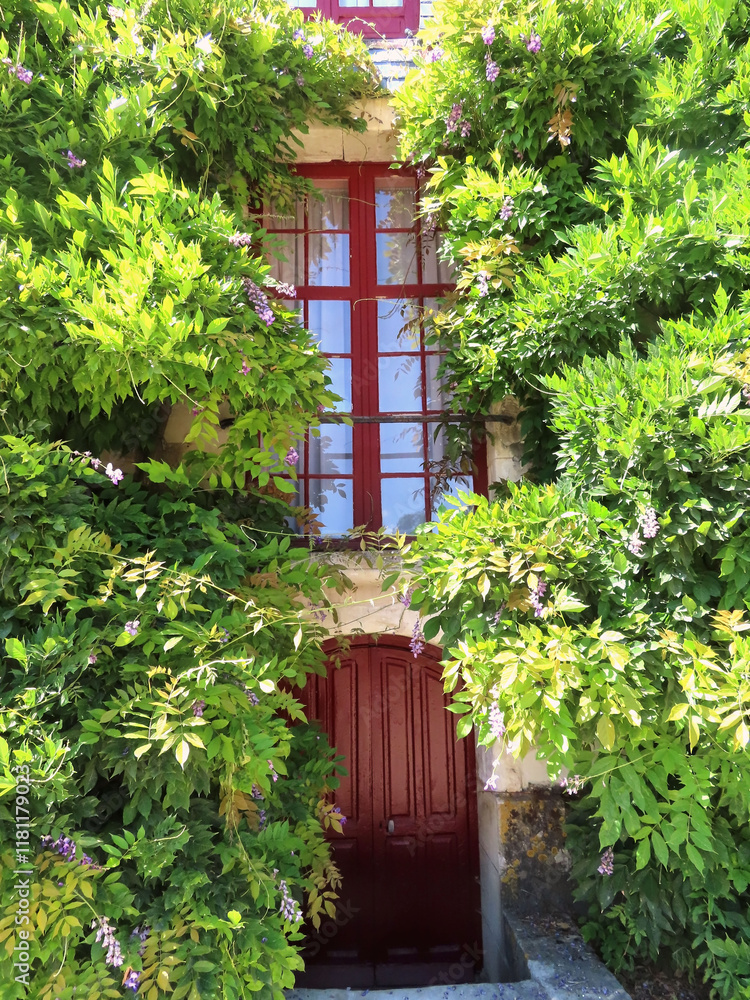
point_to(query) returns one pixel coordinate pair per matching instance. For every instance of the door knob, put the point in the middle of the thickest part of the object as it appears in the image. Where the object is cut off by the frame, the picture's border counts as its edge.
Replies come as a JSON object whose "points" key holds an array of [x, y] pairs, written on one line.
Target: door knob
{"points": [[391, 826]]}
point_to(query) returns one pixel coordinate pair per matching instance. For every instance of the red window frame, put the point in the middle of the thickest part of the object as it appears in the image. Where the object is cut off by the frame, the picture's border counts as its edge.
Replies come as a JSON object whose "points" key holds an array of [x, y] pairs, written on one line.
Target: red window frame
{"points": [[372, 22], [366, 295]]}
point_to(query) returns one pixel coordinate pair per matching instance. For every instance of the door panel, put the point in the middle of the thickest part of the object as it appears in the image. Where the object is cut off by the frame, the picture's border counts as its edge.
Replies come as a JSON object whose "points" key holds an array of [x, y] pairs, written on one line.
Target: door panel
{"points": [[409, 904]]}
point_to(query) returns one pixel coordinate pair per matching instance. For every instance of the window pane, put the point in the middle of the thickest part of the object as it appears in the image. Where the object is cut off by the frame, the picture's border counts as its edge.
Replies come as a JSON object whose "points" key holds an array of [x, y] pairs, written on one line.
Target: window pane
{"points": [[329, 260], [435, 447], [340, 372], [296, 307], [331, 324], [331, 499], [332, 212], [331, 453], [400, 388], [387, 3], [395, 204], [450, 488], [401, 447], [435, 271], [398, 325], [291, 270], [403, 503], [397, 258], [302, 3], [436, 394], [288, 217]]}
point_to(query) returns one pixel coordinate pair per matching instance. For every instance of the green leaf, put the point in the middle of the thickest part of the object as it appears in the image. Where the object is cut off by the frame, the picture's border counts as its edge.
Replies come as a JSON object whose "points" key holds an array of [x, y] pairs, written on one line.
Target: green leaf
{"points": [[605, 731], [182, 752], [660, 848]]}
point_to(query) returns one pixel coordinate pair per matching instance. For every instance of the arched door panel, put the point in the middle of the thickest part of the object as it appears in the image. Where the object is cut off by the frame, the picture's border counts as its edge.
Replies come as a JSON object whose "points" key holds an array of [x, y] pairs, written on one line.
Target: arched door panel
{"points": [[409, 906]]}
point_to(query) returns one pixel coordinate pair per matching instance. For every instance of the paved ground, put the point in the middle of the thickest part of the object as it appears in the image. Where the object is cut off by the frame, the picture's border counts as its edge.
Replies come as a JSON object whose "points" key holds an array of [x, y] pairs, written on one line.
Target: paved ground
{"points": [[559, 966]]}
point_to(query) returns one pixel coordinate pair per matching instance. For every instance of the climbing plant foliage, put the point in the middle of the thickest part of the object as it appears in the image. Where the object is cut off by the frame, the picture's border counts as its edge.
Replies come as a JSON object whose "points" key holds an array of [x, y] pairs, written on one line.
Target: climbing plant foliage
{"points": [[589, 165], [163, 800]]}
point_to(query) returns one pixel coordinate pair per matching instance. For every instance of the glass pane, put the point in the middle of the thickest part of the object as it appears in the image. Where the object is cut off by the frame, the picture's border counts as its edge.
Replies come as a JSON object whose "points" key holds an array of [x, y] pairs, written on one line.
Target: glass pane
{"points": [[330, 323], [302, 3], [291, 270], [331, 499], [340, 371], [449, 488], [398, 325], [296, 307], [332, 212], [331, 453], [329, 260], [436, 389], [435, 446], [435, 271], [403, 503], [397, 258], [400, 386], [387, 3], [286, 217], [354, 3], [395, 204], [401, 448]]}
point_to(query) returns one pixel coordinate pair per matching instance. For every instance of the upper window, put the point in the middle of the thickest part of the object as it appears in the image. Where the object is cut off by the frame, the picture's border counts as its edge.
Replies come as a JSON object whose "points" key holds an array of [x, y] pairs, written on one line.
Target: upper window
{"points": [[367, 277], [387, 18]]}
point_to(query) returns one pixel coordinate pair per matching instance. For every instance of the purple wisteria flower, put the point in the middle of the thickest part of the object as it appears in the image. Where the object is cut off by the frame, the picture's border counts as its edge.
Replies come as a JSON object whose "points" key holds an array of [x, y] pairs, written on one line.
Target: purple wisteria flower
{"points": [[261, 818], [274, 775], [496, 721], [506, 212], [417, 642], [533, 42], [746, 393], [490, 784], [308, 51], [115, 475], [142, 933], [498, 614], [493, 70], [298, 35], [341, 819], [292, 457], [649, 523], [92, 658], [535, 598], [73, 162], [198, 708], [259, 301], [286, 291], [132, 627], [289, 908], [106, 934], [635, 545], [607, 863], [464, 129], [17, 70], [241, 240], [132, 981], [256, 792], [451, 122], [245, 369], [482, 287], [572, 784], [488, 34], [434, 55], [405, 598], [300, 80]]}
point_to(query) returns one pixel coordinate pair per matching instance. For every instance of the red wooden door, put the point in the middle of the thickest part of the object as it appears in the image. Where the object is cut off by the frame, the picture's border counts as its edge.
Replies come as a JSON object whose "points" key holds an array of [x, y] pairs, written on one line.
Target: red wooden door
{"points": [[409, 908]]}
